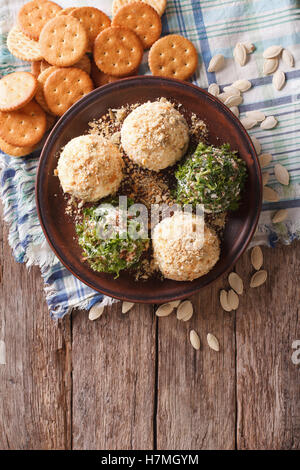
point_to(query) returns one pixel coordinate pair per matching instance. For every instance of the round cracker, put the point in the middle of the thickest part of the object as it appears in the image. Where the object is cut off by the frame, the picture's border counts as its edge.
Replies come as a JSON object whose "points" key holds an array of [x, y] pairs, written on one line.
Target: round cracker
{"points": [[66, 11], [93, 20], [34, 15], [118, 51], [24, 127], [40, 97], [64, 87], [173, 56], [15, 151], [63, 41], [142, 19], [158, 5], [22, 47], [16, 90], [101, 78], [36, 68]]}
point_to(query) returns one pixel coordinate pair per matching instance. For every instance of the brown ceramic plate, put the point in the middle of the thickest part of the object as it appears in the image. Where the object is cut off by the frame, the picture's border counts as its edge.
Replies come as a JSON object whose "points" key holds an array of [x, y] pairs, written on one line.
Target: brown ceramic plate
{"points": [[223, 127]]}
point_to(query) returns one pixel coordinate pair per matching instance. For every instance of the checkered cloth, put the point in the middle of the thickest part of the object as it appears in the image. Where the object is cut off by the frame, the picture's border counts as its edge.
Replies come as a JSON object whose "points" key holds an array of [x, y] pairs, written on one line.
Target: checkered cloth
{"points": [[214, 26]]}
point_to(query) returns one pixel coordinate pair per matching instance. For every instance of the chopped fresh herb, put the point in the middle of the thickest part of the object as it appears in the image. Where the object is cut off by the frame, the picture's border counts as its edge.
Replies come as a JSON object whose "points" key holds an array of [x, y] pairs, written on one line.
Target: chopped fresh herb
{"points": [[213, 177]]}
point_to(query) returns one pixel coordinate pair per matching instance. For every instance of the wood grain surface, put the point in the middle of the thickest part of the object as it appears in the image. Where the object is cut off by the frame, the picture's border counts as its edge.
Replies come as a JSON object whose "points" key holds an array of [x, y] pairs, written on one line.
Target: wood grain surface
{"points": [[134, 382]]}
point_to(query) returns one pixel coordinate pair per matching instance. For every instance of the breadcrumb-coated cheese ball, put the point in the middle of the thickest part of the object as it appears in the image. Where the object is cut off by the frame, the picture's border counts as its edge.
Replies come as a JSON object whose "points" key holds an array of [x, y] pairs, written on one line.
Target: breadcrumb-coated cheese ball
{"points": [[155, 135], [180, 252], [90, 168]]}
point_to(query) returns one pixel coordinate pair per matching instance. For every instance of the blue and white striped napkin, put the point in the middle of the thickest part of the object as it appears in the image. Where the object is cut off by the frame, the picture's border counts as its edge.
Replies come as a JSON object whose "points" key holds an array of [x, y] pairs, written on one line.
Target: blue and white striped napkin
{"points": [[214, 26]]}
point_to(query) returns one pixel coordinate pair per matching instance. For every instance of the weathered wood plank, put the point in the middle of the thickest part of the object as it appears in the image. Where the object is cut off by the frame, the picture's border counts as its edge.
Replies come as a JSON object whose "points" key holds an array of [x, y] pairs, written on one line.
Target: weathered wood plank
{"points": [[35, 382], [268, 386], [196, 389], [114, 379]]}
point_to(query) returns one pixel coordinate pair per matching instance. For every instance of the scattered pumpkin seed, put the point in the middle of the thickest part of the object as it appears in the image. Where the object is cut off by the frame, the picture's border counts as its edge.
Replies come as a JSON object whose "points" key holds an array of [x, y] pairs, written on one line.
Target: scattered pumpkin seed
{"points": [[233, 300], [288, 58], [257, 144], [281, 174], [213, 343], [240, 54], [236, 283], [96, 311], [270, 195], [278, 79], [223, 96], [233, 100], [249, 47], [265, 159], [280, 216], [258, 115], [235, 110], [257, 258], [248, 123], [194, 339], [184, 310], [126, 306], [259, 278], [216, 63], [265, 178], [164, 310], [272, 51], [175, 303], [232, 90], [214, 89], [242, 85], [269, 123], [270, 65], [224, 301]]}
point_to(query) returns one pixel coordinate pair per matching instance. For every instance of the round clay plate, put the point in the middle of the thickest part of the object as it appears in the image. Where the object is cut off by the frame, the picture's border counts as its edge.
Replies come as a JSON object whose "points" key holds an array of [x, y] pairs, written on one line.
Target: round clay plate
{"points": [[223, 127]]}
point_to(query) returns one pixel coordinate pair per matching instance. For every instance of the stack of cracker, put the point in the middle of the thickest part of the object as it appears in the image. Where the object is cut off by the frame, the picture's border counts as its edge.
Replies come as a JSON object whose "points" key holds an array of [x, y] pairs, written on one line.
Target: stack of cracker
{"points": [[74, 50]]}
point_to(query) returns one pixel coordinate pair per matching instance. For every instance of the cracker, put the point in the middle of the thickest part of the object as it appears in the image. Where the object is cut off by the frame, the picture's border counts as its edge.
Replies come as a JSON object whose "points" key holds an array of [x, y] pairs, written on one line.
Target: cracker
{"points": [[101, 78], [64, 87], [142, 19], [36, 68], [118, 51], [173, 56], [16, 90], [40, 97], [34, 15], [24, 127], [66, 11], [93, 20], [45, 65], [22, 47], [158, 5], [63, 41], [15, 151]]}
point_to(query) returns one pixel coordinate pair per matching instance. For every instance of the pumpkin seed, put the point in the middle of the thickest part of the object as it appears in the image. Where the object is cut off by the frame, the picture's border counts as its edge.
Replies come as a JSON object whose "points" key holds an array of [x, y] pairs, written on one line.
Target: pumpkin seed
{"points": [[272, 51], [265, 178], [270, 195], [126, 306], [240, 54], [248, 123], [216, 63], [96, 311], [269, 123], [249, 47], [278, 79], [233, 300], [235, 110], [194, 339], [259, 278], [213, 343], [2, 353], [288, 58], [280, 216], [242, 85], [270, 65], [224, 301], [281, 174], [223, 96], [185, 309], [236, 283], [258, 115], [257, 144], [175, 303], [265, 159], [233, 100], [164, 310], [214, 89], [257, 258], [232, 90]]}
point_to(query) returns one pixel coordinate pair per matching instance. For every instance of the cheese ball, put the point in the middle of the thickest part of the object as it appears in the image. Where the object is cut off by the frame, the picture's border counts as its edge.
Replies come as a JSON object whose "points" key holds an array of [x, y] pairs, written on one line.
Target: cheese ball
{"points": [[155, 135], [180, 251], [90, 168]]}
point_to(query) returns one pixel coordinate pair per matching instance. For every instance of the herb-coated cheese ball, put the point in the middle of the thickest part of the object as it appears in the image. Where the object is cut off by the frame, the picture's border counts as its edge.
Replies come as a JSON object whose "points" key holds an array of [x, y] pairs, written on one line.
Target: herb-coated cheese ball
{"points": [[155, 135]]}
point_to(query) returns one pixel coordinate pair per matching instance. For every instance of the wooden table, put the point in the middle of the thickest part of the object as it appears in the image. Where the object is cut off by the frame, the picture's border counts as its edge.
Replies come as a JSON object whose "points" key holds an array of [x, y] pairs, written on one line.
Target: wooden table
{"points": [[134, 382]]}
